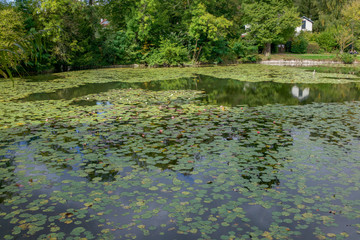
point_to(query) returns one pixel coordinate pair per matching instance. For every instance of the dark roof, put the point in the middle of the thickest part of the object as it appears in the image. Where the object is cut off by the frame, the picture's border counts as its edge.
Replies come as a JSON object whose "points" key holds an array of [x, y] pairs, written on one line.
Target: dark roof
{"points": [[303, 17]]}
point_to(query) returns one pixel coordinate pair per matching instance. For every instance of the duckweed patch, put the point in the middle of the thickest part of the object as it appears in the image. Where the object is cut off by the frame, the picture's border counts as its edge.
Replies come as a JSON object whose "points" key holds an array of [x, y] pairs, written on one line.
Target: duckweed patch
{"points": [[143, 164]]}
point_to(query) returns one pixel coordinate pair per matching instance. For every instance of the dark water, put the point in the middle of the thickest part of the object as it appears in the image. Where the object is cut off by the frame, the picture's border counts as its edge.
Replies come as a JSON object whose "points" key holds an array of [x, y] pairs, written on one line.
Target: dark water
{"points": [[42, 78], [226, 92]]}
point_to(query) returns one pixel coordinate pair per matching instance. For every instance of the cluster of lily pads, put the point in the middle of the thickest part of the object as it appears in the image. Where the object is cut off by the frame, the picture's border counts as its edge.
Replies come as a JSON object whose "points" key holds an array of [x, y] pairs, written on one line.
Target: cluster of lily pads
{"points": [[142, 164]]}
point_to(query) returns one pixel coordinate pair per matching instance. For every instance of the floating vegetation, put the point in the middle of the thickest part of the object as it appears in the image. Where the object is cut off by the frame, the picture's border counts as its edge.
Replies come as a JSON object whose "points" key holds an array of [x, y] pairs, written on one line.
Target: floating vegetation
{"points": [[144, 164]]}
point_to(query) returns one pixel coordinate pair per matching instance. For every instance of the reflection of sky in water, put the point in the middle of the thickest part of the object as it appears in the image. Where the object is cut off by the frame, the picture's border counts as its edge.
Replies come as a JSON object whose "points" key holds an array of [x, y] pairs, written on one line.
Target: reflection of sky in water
{"points": [[319, 164]]}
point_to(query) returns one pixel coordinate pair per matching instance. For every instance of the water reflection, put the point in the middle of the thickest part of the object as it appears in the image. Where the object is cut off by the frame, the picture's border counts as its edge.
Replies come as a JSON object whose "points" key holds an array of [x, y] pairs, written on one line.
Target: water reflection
{"points": [[299, 93], [227, 92]]}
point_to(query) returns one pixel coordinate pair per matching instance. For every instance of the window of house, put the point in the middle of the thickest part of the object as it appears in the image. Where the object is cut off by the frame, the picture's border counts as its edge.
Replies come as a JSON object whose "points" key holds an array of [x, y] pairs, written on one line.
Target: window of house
{"points": [[303, 24]]}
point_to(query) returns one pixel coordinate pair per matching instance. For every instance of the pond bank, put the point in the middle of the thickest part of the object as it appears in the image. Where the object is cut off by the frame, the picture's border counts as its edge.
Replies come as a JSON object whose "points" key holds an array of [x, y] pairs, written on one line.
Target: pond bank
{"points": [[279, 62], [298, 62]]}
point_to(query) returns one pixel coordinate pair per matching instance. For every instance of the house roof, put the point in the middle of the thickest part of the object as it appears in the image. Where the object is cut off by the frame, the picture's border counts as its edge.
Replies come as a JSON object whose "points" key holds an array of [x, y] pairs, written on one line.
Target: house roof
{"points": [[104, 22], [303, 17]]}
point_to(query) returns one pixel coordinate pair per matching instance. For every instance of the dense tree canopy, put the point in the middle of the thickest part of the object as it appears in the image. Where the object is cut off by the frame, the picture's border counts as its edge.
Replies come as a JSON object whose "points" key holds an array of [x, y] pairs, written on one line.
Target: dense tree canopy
{"points": [[271, 21], [171, 32]]}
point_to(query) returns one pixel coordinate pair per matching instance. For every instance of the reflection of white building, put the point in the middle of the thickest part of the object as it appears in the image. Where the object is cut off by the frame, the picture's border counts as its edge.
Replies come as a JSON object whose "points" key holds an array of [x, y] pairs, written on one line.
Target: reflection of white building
{"points": [[300, 94]]}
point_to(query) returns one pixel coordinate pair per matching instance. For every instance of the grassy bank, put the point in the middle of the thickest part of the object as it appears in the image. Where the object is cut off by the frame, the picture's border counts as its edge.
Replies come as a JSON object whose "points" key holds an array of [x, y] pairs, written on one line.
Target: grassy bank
{"points": [[316, 57]]}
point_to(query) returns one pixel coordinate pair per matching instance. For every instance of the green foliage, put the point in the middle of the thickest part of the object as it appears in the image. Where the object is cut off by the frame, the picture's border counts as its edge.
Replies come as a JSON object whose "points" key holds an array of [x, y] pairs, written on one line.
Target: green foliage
{"points": [[70, 30], [12, 33], [271, 21], [168, 54], [329, 12], [11, 26], [216, 51], [204, 28], [197, 30], [347, 58], [326, 40], [206, 25], [307, 8], [244, 51], [299, 44], [313, 47], [116, 47]]}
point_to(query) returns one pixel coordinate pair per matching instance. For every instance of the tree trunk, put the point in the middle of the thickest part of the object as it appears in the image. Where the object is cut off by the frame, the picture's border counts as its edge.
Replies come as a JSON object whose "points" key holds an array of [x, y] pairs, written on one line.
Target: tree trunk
{"points": [[194, 55], [267, 49]]}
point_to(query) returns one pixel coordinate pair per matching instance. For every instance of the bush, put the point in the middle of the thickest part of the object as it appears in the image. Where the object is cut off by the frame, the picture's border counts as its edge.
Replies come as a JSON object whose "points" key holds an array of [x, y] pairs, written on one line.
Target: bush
{"points": [[244, 51], [326, 40], [116, 48], [347, 58], [313, 47], [299, 45], [168, 54]]}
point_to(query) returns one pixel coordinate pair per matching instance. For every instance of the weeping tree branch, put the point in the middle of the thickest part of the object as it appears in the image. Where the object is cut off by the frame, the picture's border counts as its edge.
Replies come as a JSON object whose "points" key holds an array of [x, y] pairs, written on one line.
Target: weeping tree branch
{"points": [[14, 54]]}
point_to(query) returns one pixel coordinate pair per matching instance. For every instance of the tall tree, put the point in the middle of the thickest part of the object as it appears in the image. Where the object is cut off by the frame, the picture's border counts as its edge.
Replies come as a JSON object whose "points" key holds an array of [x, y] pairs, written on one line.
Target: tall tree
{"points": [[206, 27], [271, 21], [70, 27], [351, 18], [11, 33], [307, 8], [329, 12]]}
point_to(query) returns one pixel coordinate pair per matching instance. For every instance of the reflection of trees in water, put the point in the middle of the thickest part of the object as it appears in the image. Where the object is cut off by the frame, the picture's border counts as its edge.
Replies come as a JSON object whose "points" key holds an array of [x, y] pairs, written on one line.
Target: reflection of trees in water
{"points": [[255, 167], [7, 176], [262, 165], [96, 168], [227, 92]]}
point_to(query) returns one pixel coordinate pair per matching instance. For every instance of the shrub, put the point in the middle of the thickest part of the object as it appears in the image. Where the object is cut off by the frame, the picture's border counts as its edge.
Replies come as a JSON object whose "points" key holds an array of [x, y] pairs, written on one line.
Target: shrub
{"points": [[299, 45], [116, 48], [326, 40], [244, 51], [168, 54], [347, 58], [313, 47]]}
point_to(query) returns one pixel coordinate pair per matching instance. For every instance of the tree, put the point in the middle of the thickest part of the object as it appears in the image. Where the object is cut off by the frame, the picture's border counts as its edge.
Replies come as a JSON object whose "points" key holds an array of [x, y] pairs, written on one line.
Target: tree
{"points": [[351, 18], [70, 29], [12, 32], [343, 37], [307, 8], [206, 27], [329, 12], [11, 26], [271, 21]]}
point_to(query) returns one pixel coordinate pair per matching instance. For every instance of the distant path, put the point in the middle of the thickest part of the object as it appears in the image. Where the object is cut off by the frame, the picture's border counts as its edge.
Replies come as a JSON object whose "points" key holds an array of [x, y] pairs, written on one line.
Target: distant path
{"points": [[297, 62]]}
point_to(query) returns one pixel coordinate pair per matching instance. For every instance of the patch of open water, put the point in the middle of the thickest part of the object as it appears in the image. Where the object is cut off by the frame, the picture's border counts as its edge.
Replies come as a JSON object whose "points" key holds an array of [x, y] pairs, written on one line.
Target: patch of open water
{"points": [[225, 92]]}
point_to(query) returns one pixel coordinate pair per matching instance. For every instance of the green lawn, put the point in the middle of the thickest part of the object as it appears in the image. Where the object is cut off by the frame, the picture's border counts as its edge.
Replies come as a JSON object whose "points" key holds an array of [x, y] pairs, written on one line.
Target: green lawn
{"points": [[318, 56], [289, 56]]}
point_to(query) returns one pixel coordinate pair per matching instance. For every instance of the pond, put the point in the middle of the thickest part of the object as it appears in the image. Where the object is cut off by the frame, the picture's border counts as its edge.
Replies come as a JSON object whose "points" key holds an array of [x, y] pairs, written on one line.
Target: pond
{"points": [[193, 155]]}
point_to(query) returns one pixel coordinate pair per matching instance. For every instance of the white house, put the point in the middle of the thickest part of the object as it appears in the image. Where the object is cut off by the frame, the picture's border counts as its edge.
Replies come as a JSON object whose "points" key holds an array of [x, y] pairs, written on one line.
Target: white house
{"points": [[306, 25], [104, 22]]}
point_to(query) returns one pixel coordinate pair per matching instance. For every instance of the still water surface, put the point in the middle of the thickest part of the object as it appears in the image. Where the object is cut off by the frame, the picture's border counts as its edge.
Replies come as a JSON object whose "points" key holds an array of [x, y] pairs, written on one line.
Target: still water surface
{"points": [[224, 91]]}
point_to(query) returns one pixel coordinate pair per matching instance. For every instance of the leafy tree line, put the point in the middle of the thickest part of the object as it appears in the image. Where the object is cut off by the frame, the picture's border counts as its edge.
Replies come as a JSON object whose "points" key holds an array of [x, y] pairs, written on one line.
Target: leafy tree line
{"points": [[165, 32]]}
